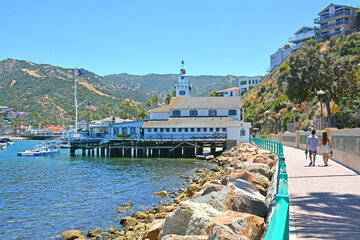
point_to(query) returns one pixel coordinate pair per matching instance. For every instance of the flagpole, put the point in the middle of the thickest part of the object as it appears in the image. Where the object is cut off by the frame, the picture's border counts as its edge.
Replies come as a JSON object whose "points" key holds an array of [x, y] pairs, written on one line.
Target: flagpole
{"points": [[76, 105]]}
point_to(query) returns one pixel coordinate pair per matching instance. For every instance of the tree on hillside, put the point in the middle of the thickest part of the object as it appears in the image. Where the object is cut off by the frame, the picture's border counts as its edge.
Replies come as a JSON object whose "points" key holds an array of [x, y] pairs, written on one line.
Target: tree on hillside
{"points": [[149, 103], [168, 99], [287, 46], [213, 94], [155, 99], [312, 68], [357, 20]]}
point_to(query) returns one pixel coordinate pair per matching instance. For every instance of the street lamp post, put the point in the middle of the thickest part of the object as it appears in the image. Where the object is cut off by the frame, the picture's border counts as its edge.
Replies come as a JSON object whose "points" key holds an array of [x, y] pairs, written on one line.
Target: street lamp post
{"points": [[294, 109], [279, 116], [320, 93]]}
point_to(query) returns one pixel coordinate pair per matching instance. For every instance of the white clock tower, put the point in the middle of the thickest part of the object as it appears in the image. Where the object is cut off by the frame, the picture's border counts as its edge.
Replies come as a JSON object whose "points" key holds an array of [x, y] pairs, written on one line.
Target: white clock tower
{"points": [[183, 86]]}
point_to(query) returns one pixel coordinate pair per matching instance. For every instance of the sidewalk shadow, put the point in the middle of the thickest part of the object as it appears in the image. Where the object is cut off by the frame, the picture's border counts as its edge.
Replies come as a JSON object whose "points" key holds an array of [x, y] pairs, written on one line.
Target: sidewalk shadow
{"points": [[329, 216]]}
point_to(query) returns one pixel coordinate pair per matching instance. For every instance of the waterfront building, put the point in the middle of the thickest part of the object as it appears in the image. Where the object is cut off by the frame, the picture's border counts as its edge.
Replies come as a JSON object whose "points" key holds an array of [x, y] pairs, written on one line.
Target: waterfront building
{"points": [[335, 20], [279, 57], [301, 36], [100, 127], [229, 92], [246, 83]]}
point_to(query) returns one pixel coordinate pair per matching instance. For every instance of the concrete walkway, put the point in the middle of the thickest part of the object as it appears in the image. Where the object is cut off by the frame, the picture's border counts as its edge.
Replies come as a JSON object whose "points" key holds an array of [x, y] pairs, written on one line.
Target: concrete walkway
{"points": [[326, 200]]}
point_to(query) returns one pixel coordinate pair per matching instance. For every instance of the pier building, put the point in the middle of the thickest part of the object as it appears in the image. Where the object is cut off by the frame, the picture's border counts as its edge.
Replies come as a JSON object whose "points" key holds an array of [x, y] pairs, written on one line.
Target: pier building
{"points": [[181, 129]]}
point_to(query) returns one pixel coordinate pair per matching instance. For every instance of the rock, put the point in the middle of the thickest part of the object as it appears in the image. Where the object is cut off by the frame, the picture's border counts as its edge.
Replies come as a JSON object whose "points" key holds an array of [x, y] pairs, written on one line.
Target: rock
{"points": [[212, 188], [242, 224], [209, 157], [150, 218], [126, 208], [139, 215], [215, 168], [153, 231], [218, 232], [105, 236], [252, 179], [189, 219], [192, 189], [185, 177], [72, 235], [112, 230], [128, 222], [93, 233], [222, 160], [119, 211], [186, 237], [127, 204], [162, 193], [169, 208], [264, 159], [200, 157], [215, 199], [245, 199], [161, 215]]}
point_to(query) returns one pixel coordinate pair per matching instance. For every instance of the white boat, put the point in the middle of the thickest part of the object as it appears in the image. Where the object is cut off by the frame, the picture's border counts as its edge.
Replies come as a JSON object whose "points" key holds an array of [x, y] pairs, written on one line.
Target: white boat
{"points": [[3, 146], [42, 149]]}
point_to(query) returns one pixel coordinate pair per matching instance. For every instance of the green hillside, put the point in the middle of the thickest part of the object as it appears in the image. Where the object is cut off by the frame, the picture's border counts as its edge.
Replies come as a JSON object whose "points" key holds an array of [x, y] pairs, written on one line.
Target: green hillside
{"points": [[45, 91], [332, 66]]}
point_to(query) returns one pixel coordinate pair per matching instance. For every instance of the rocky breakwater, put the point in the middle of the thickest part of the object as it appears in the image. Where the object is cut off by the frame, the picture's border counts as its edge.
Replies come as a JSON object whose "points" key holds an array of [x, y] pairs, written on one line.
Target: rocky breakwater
{"points": [[230, 200]]}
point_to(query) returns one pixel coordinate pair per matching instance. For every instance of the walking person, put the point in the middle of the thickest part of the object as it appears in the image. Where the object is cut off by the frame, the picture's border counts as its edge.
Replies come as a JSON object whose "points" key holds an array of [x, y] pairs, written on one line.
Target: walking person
{"points": [[312, 142], [325, 148]]}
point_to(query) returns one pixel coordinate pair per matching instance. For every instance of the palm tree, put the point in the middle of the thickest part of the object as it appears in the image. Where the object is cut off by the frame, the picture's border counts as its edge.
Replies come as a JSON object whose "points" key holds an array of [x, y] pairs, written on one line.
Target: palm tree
{"points": [[168, 98]]}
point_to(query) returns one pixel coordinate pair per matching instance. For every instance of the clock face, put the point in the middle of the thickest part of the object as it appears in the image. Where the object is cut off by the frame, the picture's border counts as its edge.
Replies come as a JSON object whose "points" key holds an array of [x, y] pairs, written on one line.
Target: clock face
{"points": [[181, 92]]}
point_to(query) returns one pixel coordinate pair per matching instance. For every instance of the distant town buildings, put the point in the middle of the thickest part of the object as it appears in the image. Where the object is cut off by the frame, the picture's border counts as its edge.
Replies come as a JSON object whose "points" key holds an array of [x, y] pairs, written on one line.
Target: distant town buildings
{"points": [[301, 36], [246, 83], [229, 92], [335, 20], [279, 57]]}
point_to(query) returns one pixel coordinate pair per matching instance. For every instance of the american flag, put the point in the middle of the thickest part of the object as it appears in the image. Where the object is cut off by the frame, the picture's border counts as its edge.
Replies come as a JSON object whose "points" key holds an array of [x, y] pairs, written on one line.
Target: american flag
{"points": [[90, 107], [79, 72]]}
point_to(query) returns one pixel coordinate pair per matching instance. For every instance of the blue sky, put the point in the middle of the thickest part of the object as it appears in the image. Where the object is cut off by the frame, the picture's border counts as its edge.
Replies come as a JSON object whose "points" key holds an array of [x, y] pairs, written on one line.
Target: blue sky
{"points": [[142, 36]]}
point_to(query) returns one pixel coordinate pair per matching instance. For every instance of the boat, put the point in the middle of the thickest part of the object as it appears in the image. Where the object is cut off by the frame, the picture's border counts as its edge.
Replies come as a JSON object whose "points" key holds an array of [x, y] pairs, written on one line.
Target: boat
{"points": [[3, 146], [6, 140], [42, 149]]}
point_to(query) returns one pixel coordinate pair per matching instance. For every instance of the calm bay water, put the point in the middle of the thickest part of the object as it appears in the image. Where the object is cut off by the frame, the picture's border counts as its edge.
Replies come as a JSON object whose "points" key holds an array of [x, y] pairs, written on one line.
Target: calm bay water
{"points": [[40, 197]]}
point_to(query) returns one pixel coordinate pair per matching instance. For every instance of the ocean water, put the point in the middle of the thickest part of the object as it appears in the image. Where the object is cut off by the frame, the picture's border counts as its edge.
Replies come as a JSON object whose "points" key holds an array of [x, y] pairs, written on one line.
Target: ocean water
{"points": [[40, 197]]}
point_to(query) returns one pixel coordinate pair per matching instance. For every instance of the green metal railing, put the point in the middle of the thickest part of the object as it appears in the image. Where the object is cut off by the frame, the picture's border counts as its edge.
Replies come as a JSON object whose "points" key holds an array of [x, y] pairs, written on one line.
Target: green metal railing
{"points": [[279, 223]]}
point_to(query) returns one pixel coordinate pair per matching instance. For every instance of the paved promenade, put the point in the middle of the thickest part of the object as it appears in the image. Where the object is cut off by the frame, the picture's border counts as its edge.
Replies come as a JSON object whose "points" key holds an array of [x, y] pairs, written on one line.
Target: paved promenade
{"points": [[326, 200]]}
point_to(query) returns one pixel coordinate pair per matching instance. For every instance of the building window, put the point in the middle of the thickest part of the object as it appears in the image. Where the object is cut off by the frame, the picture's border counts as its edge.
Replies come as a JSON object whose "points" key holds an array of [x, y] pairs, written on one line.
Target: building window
{"points": [[179, 129], [167, 129], [181, 92], [218, 129], [186, 129], [155, 129], [242, 133], [132, 130], [232, 112], [211, 129], [198, 129], [205, 130], [174, 129], [182, 77], [224, 129], [124, 130], [116, 130], [249, 81], [176, 113], [161, 130], [193, 113], [243, 82], [192, 129], [149, 130], [256, 81], [212, 112]]}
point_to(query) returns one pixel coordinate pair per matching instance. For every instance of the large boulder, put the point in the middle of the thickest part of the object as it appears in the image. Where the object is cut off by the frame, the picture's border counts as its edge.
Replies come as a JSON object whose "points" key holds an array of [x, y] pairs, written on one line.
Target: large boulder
{"points": [[242, 224], [72, 235], [245, 199], [153, 231], [219, 232], [215, 199], [264, 159], [252, 179], [186, 237], [190, 218]]}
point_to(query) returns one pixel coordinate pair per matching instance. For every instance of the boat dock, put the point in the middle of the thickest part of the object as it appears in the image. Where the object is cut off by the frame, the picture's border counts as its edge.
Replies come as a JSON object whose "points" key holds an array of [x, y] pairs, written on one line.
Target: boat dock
{"points": [[142, 148]]}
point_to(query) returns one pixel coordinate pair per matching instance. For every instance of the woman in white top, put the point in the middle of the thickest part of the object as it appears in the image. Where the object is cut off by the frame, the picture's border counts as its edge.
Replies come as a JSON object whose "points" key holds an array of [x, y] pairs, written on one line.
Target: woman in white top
{"points": [[325, 146]]}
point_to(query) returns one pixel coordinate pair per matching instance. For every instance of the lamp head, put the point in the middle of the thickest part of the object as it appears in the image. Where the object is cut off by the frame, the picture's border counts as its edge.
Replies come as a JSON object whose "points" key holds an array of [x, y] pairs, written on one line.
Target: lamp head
{"points": [[320, 92]]}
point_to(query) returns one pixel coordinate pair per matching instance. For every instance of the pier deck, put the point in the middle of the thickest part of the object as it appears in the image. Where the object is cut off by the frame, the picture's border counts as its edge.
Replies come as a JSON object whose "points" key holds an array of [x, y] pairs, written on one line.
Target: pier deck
{"points": [[326, 200]]}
